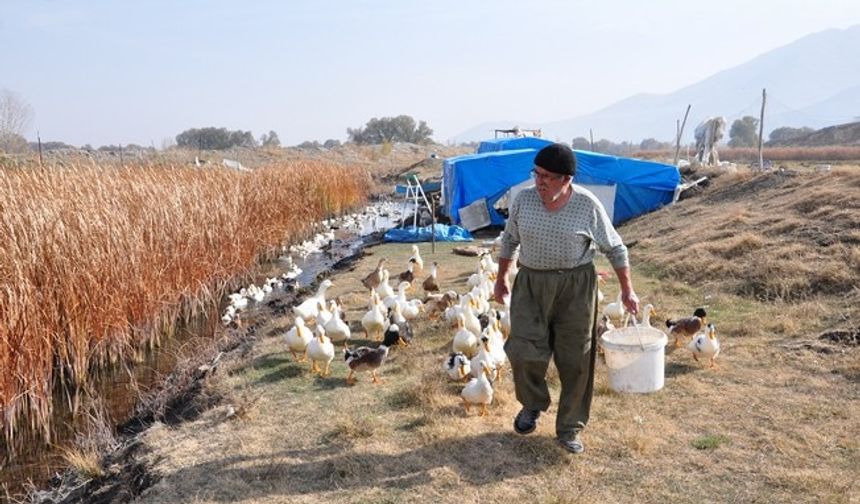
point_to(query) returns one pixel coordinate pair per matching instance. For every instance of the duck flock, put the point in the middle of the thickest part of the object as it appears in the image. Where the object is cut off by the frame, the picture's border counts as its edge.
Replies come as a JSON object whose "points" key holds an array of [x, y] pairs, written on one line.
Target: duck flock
{"points": [[479, 326], [372, 219], [479, 330]]}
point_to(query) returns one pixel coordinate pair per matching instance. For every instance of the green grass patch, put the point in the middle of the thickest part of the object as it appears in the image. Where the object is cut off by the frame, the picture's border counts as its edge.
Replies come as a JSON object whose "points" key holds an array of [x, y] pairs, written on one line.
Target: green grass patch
{"points": [[710, 442]]}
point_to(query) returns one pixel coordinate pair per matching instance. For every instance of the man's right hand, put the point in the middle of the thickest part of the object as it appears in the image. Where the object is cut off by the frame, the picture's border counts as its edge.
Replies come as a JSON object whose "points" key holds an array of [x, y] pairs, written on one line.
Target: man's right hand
{"points": [[501, 291]]}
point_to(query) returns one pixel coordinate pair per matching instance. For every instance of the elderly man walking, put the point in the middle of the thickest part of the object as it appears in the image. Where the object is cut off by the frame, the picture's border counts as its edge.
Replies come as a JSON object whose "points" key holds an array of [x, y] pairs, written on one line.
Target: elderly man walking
{"points": [[557, 225]]}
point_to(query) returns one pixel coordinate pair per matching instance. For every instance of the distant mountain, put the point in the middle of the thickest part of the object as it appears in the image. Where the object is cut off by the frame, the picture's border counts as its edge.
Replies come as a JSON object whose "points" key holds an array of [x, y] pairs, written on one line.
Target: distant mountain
{"points": [[814, 82]]}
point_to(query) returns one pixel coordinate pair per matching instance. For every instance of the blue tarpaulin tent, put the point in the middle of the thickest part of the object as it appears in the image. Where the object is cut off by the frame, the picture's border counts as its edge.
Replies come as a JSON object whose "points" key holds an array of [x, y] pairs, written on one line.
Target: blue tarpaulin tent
{"points": [[640, 186], [489, 175], [503, 144], [425, 234]]}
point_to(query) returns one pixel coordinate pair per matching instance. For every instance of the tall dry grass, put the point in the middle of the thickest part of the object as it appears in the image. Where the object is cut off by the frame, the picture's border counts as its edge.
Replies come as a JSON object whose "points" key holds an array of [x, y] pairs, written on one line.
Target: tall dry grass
{"points": [[98, 260]]}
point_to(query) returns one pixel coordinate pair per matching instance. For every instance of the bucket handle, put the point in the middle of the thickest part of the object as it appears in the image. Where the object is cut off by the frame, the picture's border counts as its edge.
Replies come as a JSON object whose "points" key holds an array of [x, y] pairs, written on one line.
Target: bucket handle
{"points": [[628, 318]]}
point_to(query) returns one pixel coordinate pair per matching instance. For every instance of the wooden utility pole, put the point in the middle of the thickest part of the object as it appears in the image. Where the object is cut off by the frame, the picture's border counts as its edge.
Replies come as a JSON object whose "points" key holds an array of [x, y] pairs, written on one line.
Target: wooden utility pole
{"points": [[591, 138], [120, 155], [680, 133], [761, 131]]}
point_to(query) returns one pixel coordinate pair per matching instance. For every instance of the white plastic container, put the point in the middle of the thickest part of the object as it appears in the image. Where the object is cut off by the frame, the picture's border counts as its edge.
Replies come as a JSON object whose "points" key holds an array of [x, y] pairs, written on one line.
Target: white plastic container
{"points": [[636, 359]]}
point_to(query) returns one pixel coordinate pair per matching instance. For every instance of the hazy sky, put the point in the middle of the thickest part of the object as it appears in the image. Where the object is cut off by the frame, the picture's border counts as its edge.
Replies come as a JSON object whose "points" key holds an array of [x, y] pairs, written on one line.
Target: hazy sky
{"points": [[103, 72]]}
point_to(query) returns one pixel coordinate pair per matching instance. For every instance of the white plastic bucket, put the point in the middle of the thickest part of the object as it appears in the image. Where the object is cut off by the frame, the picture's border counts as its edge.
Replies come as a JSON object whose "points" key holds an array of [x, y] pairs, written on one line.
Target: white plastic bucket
{"points": [[635, 357]]}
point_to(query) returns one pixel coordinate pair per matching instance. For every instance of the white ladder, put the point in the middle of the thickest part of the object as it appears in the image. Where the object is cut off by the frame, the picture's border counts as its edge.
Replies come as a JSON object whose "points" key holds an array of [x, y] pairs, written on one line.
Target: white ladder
{"points": [[414, 190]]}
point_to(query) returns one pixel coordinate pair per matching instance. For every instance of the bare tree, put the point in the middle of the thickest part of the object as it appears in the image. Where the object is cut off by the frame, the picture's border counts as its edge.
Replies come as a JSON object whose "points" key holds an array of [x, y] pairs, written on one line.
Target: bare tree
{"points": [[15, 117]]}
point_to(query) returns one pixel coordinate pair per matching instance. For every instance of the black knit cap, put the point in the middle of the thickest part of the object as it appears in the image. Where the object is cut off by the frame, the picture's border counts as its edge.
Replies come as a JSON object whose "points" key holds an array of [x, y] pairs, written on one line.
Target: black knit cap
{"points": [[557, 158]]}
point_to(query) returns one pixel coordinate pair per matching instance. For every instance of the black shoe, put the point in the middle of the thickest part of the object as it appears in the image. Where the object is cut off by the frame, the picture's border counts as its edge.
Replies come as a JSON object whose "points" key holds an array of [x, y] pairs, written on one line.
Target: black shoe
{"points": [[526, 421], [572, 445]]}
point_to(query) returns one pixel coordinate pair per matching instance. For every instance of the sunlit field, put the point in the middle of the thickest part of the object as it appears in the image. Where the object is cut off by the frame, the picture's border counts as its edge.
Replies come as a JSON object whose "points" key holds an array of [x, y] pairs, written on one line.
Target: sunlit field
{"points": [[97, 261]]}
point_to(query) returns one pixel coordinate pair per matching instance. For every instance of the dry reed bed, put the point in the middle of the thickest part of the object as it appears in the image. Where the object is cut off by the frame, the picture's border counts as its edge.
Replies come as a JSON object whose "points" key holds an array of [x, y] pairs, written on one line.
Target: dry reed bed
{"points": [[99, 260], [750, 154]]}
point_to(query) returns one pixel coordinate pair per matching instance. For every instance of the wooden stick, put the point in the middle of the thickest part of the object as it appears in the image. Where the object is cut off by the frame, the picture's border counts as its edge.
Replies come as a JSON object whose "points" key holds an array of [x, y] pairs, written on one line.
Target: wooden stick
{"points": [[680, 134], [761, 131], [39, 139]]}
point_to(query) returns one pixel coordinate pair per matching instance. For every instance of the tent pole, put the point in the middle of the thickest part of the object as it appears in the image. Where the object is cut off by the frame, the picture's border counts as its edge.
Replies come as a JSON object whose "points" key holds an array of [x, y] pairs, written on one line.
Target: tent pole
{"points": [[433, 229], [403, 207], [415, 212]]}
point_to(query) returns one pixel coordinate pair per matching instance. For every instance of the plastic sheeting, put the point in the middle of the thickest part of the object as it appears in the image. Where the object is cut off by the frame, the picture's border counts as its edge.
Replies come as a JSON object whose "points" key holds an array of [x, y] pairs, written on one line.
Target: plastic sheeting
{"points": [[489, 175], [641, 186], [503, 144], [425, 234]]}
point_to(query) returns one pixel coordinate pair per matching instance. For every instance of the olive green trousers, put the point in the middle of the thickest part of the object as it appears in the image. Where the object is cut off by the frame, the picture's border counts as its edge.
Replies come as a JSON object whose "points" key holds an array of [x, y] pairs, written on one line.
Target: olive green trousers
{"points": [[554, 315]]}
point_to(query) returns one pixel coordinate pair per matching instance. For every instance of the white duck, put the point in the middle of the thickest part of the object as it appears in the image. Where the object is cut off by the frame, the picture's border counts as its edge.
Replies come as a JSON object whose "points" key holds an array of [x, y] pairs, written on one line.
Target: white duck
{"points": [[238, 301], [497, 346], [400, 298], [478, 391], [484, 357], [488, 264], [309, 308], [452, 312], [373, 322], [336, 329], [298, 338], [505, 320], [706, 345], [615, 310], [324, 315], [416, 258], [647, 312], [320, 350], [480, 300], [477, 278], [396, 315], [412, 309], [229, 315], [384, 289], [457, 366], [465, 340], [470, 319]]}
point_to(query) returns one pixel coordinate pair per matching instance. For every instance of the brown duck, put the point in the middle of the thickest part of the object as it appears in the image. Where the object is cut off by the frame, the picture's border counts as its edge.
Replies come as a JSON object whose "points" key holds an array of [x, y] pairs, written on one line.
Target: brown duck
{"points": [[364, 359], [373, 280], [686, 328], [409, 274], [430, 283]]}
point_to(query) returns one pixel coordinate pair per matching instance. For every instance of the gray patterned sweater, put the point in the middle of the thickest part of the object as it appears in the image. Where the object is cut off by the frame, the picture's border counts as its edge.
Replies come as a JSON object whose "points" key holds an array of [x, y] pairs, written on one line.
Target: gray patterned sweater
{"points": [[563, 239]]}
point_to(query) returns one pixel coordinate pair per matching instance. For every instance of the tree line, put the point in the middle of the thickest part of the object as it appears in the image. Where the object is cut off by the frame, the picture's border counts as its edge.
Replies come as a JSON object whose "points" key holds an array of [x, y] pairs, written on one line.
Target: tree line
{"points": [[742, 133], [16, 116]]}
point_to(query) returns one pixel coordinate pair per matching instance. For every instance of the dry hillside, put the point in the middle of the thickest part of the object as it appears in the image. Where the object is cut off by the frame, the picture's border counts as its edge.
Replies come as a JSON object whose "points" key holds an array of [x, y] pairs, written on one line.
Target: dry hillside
{"points": [[784, 236]]}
